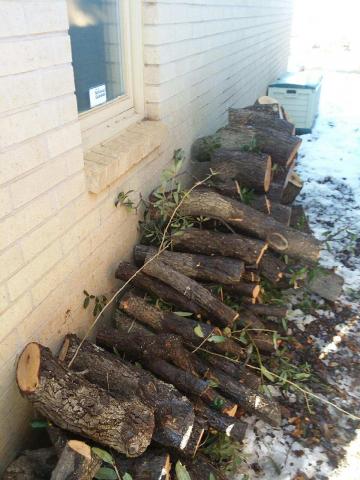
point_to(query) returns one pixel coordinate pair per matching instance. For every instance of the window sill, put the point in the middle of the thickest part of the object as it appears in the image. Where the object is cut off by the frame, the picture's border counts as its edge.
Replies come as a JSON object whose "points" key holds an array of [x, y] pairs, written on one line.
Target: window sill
{"points": [[106, 162]]}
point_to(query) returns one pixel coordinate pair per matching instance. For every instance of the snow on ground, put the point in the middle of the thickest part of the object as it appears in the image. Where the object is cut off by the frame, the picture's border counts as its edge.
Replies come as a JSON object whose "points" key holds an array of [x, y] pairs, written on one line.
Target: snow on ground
{"points": [[329, 163]]}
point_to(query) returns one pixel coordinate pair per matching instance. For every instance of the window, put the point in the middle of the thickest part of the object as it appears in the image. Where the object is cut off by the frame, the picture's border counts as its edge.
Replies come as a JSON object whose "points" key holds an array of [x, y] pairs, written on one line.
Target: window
{"points": [[106, 46]]}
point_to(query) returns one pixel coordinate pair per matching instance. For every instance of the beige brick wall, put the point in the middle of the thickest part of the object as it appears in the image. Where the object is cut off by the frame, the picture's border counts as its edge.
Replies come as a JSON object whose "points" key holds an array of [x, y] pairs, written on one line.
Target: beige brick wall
{"points": [[56, 239]]}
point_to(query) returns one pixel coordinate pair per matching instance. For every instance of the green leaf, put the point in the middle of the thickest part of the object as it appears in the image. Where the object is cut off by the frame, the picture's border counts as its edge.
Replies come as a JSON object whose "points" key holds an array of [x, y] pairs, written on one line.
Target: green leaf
{"points": [[198, 331], [127, 476], [106, 473], [181, 472], [86, 301], [212, 476], [39, 424], [103, 454], [183, 314], [267, 374], [217, 339], [85, 293]]}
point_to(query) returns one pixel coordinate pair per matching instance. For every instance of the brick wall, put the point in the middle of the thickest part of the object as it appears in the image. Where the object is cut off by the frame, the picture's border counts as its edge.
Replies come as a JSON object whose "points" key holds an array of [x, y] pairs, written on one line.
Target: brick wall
{"points": [[56, 239]]}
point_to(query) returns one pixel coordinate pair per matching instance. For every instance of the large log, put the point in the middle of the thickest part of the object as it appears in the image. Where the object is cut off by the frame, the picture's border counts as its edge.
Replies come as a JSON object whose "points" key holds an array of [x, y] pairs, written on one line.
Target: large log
{"points": [[182, 379], [292, 189], [219, 312], [250, 400], [204, 202], [32, 465], [227, 244], [248, 169], [233, 428], [259, 118], [278, 311], [76, 462], [272, 268], [196, 437], [77, 405], [174, 416], [234, 370], [203, 267], [243, 289], [152, 465], [279, 145], [163, 321], [299, 220], [165, 292]]}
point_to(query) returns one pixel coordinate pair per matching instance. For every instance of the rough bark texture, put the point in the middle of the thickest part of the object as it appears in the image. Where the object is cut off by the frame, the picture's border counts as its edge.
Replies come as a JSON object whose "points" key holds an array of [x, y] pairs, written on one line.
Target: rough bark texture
{"points": [[162, 321], [233, 428], [259, 118], [32, 465], [292, 189], [76, 462], [152, 465], [299, 219], [227, 244], [251, 277], [243, 288], [214, 269], [76, 405], [272, 110], [272, 268], [182, 379], [195, 438], [222, 314], [252, 401], [248, 169], [268, 310], [204, 202], [126, 270], [279, 145], [235, 370], [173, 412]]}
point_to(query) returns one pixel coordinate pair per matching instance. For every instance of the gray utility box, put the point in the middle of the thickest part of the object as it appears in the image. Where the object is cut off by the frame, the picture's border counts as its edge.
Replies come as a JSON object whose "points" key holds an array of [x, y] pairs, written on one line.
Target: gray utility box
{"points": [[299, 94]]}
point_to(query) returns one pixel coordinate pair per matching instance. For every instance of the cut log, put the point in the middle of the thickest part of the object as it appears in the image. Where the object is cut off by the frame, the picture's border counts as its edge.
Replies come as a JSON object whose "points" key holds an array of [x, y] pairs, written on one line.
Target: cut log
{"points": [[181, 379], [222, 314], [248, 169], [272, 268], [235, 370], [265, 100], [165, 292], [174, 416], [242, 288], [273, 110], [233, 428], [80, 407], [279, 145], [286, 240], [251, 277], [268, 310], [299, 220], [32, 465], [245, 116], [162, 321], [292, 189], [196, 437], [326, 284], [214, 269], [58, 438], [76, 462], [227, 244], [250, 400], [152, 465]]}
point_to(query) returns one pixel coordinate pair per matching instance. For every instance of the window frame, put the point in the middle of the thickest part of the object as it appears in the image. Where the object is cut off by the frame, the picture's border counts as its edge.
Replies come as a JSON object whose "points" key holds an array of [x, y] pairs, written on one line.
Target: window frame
{"points": [[104, 121]]}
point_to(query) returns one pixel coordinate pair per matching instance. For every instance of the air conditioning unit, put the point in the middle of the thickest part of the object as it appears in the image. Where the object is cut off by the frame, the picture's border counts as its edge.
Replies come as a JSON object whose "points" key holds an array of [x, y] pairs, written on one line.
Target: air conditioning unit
{"points": [[299, 94]]}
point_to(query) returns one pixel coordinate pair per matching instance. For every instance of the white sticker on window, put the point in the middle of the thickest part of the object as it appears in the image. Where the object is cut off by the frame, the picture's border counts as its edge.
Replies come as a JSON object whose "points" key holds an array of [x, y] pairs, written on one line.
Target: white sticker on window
{"points": [[97, 95]]}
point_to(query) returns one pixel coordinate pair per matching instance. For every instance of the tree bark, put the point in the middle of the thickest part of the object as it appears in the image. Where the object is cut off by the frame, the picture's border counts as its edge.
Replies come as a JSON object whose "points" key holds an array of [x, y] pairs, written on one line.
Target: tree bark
{"points": [[279, 145], [299, 220], [227, 244], [222, 314], [248, 169], [259, 118], [58, 438], [204, 202], [152, 465], [195, 438], [214, 269], [235, 370], [272, 268], [32, 465], [76, 462], [174, 416], [165, 292], [78, 406], [233, 428], [163, 321], [242, 288], [252, 401], [268, 310], [292, 189], [251, 277]]}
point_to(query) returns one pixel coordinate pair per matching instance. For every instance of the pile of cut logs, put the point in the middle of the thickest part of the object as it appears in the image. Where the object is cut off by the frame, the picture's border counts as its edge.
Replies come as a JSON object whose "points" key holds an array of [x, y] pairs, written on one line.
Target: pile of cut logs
{"points": [[159, 378]]}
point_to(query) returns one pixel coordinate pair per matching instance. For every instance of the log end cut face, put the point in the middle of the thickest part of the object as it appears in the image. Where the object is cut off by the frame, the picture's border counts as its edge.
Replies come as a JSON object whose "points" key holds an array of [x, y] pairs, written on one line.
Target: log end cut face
{"points": [[27, 374], [81, 448]]}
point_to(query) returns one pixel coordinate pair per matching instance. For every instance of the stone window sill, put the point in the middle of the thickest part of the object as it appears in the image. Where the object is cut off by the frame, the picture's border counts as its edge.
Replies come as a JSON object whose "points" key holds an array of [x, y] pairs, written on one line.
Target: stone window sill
{"points": [[106, 162]]}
